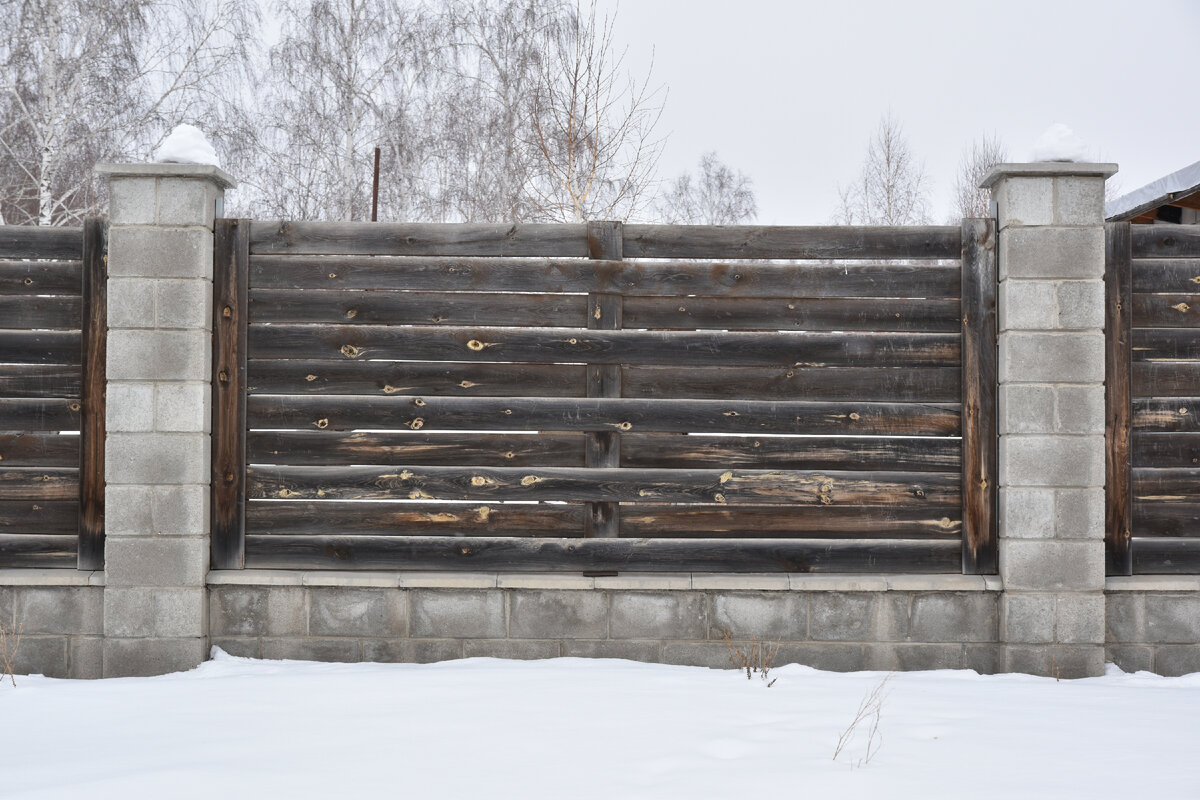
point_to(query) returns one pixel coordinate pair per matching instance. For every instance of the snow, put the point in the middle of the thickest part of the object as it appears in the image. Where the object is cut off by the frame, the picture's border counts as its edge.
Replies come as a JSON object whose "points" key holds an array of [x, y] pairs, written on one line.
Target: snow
{"points": [[581, 728], [1182, 181], [1059, 143], [186, 144]]}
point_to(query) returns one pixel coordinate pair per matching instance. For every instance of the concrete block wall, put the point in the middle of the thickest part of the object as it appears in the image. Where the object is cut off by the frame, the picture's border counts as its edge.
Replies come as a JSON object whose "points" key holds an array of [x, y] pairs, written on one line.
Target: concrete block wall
{"points": [[1152, 623], [60, 616]]}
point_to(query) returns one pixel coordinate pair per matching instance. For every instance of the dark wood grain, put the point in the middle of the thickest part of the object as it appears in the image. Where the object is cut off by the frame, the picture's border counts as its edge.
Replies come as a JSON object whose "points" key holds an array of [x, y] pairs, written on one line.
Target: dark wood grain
{"points": [[1165, 485], [796, 313], [980, 471], [50, 517], [34, 483], [1153, 556], [645, 520], [416, 308], [762, 241], [1165, 241], [20, 241], [39, 380], [32, 311], [1119, 419], [231, 242], [452, 239], [1166, 310], [38, 450], [605, 312], [314, 448], [39, 347], [1166, 379], [1166, 518], [92, 421], [880, 384], [38, 551], [1164, 276], [52, 414], [1167, 450], [293, 518], [790, 452], [40, 277], [1151, 344], [1166, 414], [276, 376]]}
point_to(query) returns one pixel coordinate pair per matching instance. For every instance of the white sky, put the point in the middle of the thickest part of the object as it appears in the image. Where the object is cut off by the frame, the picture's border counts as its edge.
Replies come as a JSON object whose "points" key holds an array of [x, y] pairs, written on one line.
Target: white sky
{"points": [[789, 92]]}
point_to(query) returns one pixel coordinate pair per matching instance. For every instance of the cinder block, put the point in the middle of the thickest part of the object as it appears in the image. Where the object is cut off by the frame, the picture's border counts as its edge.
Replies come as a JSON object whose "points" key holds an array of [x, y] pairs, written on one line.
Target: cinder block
{"points": [[842, 617], [1172, 618], [183, 407], [1079, 201], [457, 614], [1079, 513], [553, 614], [136, 252], [131, 201], [1027, 408], [1079, 618], [519, 649], [1027, 659], [652, 615], [183, 303], [60, 610], [714, 655], [243, 647], [1125, 617], [154, 611], [257, 611], [1079, 409], [346, 651], [954, 617], [1025, 201], [1052, 252], [1071, 661], [1026, 513], [1052, 357], [1051, 566], [909, 657], [85, 657], [41, 655], [1130, 658], [1026, 618], [130, 658], [181, 510], [357, 612], [1175, 660], [767, 615], [159, 355], [411, 651], [129, 407], [155, 561], [1028, 305], [831, 656], [986, 659], [1060, 460], [186, 201], [131, 302], [645, 652], [1080, 305], [156, 458]]}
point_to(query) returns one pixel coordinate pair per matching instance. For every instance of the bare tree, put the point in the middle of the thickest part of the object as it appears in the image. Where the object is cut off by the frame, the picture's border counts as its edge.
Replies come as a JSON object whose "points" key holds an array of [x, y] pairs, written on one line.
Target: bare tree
{"points": [[974, 165], [892, 187], [717, 196]]}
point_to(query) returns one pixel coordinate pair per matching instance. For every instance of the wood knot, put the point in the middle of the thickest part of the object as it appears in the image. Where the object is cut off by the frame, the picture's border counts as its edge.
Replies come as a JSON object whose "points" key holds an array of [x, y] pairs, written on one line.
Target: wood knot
{"points": [[598, 313], [223, 376], [226, 312], [389, 389], [718, 498], [479, 480], [333, 275], [350, 351], [351, 313], [322, 423], [530, 480], [853, 415], [310, 378], [625, 426], [1182, 307], [475, 345], [1183, 410], [510, 454], [572, 341], [285, 493], [417, 424], [418, 402], [466, 384], [729, 414], [726, 477], [74, 406], [28, 281]]}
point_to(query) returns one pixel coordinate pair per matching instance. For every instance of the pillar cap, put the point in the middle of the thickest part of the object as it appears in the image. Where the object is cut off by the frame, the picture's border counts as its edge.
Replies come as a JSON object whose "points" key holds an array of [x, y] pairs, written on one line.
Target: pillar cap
{"points": [[1048, 169], [169, 170]]}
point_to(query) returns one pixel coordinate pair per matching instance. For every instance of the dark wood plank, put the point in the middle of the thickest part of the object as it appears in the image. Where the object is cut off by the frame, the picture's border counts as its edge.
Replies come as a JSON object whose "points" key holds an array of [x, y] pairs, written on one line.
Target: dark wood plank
{"points": [[1166, 310], [53, 517], [605, 312], [797, 313], [659, 450], [39, 380], [38, 450], [40, 277], [92, 423], [277, 376], [314, 448], [761, 241], [416, 308], [35, 551], [1165, 241], [615, 485], [1166, 485], [1164, 276], [1157, 344], [32, 311], [231, 244], [39, 347], [579, 414], [1166, 379], [264, 518], [1166, 518], [1166, 414], [980, 469], [882, 384], [21, 241], [1166, 556], [30, 483], [653, 278], [413, 239], [1166, 450], [645, 520], [56, 414], [547, 345], [1118, 419], [663, 555]]}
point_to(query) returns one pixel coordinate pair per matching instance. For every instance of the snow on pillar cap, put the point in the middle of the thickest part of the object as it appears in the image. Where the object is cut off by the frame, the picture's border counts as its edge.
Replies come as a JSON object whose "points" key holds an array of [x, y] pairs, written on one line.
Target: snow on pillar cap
{"points": [[1059, 143], [186, 145]]}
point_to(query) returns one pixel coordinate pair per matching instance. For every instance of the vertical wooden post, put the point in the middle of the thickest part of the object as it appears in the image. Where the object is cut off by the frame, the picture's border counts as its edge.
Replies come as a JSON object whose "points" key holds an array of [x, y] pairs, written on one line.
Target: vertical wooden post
{"points": [[1118, 329], [231, 262], [604, 380], [91, 428], [980, 377]]}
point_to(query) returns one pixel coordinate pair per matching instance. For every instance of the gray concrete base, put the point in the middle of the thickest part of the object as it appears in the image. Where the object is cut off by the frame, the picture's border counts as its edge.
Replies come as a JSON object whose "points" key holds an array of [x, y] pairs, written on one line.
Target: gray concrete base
{"points": [[60, 618], [1152, 623]]}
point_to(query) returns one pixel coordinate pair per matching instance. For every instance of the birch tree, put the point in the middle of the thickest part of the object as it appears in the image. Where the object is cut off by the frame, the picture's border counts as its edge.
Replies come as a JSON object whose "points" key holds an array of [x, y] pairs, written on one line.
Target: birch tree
{"points": [[892, 187], [715, 196], [974, 165]]}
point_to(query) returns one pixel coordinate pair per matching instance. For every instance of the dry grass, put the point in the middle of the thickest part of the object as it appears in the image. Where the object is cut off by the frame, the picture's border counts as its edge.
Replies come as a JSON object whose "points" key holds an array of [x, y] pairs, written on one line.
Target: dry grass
{"points": [[869, 713], [10, 643], [756, 658]]}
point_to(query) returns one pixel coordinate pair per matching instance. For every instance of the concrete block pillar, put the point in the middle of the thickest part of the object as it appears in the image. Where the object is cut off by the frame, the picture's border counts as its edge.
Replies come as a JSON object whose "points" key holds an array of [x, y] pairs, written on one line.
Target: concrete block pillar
{"points": [[1051, 321], [157, 454]]}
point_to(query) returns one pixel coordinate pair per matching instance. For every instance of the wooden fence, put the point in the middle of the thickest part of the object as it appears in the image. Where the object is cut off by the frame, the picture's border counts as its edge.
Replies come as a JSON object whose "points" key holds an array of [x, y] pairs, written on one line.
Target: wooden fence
{"points": [[604, 397], [1153, 425], [52, 340]]}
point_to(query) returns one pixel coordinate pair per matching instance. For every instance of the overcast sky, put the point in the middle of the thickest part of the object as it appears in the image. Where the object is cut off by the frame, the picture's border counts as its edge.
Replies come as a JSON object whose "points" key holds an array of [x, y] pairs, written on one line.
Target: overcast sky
{"points": [[789, 92]]}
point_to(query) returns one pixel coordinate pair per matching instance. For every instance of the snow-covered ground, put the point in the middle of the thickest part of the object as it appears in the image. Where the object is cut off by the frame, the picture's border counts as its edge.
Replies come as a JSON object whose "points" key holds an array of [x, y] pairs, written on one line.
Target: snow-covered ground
{"points": [[573, 728]]}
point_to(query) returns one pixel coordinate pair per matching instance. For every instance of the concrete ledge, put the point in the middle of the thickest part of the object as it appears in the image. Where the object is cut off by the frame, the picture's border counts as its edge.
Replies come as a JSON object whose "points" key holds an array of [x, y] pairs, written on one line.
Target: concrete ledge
{"points": [[634, 581], [1046, 169], [1153, 583], [50, 577], [168, 170]]}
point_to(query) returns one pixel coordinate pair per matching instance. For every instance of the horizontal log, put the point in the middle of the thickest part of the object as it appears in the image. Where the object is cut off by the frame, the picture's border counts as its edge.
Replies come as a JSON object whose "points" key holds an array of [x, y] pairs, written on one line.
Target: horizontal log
{"points": [[624, 555], [40, 347], [1166, 414], [669, 450], [1166, 450], [21, 241], [28, 483], [445, 449], [265, 518], [1166, 379], [1165, 241], [547, 345], [762, 241], [1161, 344], [644, 520], [279, 376], [41, 277], [419, 239], [598, 414], [612, 485], [417, 308], [32, 551], [882, 384], [1166, 310], [38, 449], [59, 517], [1153, 556], [1166, 485], [31, 311], [1165, 276], [630, 278], [1166, 518], [57, 414], [800, 313]]}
